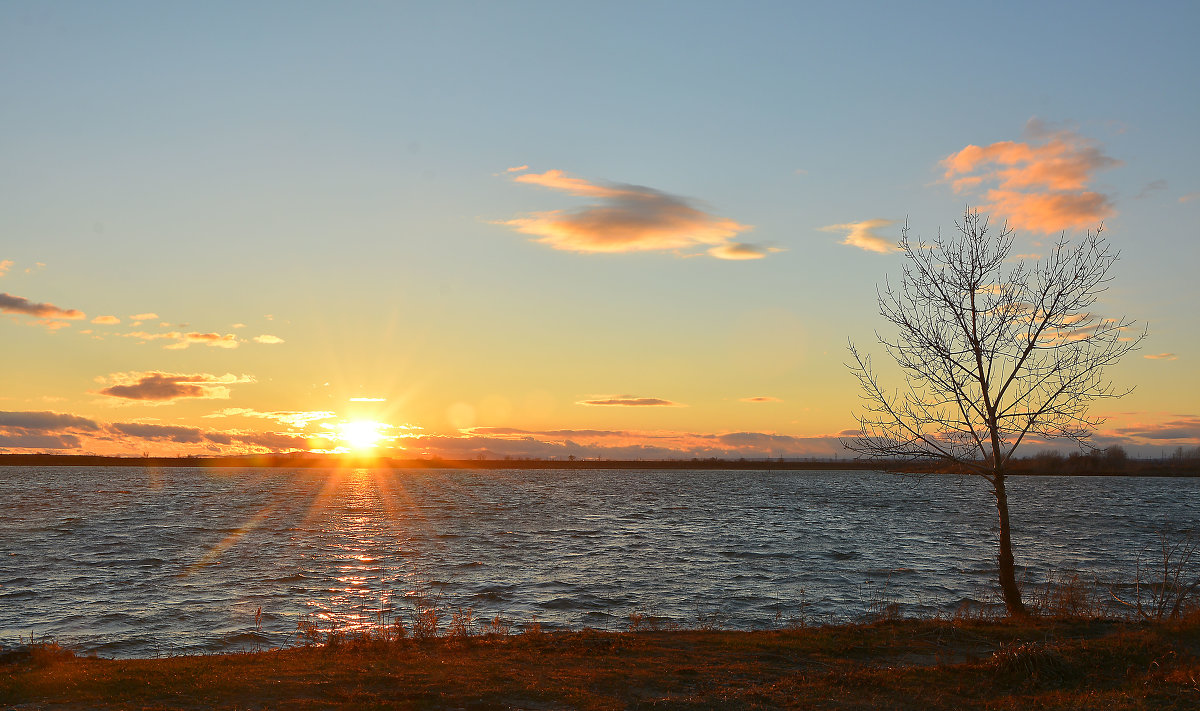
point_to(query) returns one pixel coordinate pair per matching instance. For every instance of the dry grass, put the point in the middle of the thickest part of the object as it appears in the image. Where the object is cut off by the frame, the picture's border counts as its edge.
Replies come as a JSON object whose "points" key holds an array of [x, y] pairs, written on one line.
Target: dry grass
{"points": [[905, 664]]}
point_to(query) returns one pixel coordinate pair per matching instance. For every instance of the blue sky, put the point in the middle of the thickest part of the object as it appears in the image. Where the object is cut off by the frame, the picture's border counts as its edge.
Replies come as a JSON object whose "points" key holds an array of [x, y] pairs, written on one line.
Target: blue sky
{"points": [[336, 176]]}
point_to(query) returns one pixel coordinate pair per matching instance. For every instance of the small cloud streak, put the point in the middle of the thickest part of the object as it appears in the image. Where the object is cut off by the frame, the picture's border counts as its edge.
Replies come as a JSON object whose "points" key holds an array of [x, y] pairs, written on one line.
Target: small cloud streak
{"points": [[1189, 197], [184, 340], [517, 169], [20, 305], [630, 218], [106, 320], [5, 265], [144, 317], [1183, 428], [863, 235], [739, 250], [1040, 184], [155, 386], [761, 398], [1150, 188], [292, 418], [628, 401], [268, 339], [214, 340], [1160, 356]]}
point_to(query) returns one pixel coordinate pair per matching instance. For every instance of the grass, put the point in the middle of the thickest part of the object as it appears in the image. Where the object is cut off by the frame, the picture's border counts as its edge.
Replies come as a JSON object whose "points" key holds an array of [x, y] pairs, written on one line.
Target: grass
{"points": [[1084, 647], [1064, 663]]}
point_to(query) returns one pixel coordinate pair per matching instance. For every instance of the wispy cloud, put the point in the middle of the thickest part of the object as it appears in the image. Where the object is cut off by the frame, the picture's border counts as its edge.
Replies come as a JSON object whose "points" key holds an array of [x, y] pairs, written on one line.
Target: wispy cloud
{"points": [[155, 386], [1160, 356], [148, 316], [630, 218], [1150, 188], [761, 398], [268, 339], [1189, 197], [628, 401], [1184, 428], [1041, 184], [293, 418], [20, 305], [106, 320], [5, 265], [180, 341], [864, 236], [214, 340]]}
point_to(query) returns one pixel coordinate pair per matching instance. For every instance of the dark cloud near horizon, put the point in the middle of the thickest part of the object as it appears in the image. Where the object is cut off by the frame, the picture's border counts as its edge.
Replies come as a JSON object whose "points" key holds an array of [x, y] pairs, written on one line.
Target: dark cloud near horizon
{"points": [[19, 304], [26, 440], [173, 433], [1183, 428], [156, 386], [45, 421]]}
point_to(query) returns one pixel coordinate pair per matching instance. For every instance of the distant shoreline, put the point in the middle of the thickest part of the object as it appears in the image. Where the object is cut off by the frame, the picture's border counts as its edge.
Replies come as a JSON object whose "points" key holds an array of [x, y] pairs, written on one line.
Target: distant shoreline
{"points": [[1141, 468]]}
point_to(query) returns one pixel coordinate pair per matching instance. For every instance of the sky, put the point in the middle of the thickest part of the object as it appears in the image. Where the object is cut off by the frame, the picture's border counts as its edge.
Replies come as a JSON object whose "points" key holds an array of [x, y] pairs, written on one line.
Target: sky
{"points": [[552, 229]]}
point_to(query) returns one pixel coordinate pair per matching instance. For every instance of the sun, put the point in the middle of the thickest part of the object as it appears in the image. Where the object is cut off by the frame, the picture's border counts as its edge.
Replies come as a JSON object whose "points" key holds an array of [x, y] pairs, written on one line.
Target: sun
{"points": [[361, 435]]}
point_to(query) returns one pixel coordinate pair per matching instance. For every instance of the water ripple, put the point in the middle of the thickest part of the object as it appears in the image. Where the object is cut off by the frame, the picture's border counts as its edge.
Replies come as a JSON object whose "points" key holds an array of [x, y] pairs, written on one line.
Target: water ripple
{"points": [[135, 562]]}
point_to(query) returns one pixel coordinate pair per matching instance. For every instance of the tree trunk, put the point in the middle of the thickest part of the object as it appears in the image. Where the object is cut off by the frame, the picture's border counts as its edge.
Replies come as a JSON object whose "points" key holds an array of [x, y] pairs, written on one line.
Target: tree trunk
{"points": [[1008, 577]]}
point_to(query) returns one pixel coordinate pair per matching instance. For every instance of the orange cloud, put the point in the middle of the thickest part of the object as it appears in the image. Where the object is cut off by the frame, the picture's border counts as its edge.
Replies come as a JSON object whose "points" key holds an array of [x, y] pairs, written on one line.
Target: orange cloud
{"points": [[156, 386], [292, 418], [144, 317], [1161, 356], [183, 340], [737, 251], [629, 218], [268, 339], [863, 235], [5, 265], [20, 305], [761, 398], [106, 320], [214, 340], [629, 401], [1040, 184]]}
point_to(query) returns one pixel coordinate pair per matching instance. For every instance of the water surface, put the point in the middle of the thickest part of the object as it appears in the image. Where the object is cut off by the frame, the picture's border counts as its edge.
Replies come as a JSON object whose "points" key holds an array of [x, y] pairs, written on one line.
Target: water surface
{"points": [[138, 562]]}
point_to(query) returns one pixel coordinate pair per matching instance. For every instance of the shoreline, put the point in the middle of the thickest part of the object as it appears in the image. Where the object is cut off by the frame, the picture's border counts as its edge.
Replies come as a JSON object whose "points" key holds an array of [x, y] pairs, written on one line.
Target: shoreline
{"points": [[1133, 468], [903, 664]]}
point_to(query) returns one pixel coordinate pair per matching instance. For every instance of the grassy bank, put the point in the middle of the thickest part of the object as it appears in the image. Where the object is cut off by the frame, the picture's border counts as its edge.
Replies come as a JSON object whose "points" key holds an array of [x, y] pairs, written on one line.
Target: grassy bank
{"points": [[899, 664]]}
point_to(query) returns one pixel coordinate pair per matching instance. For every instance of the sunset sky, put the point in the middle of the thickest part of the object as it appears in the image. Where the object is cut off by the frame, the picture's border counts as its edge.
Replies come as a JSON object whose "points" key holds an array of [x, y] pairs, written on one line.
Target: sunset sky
{"points": [[556, 228]]}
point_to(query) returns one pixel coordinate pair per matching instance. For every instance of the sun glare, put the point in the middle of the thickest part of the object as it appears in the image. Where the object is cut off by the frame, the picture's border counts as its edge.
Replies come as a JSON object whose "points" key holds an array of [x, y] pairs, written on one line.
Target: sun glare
{"points": [[361, 435]]}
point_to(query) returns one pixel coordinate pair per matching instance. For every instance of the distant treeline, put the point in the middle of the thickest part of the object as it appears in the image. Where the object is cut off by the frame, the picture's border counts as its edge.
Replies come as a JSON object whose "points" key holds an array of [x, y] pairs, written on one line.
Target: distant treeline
{"points": [[1108, 462], [1113, 461]]}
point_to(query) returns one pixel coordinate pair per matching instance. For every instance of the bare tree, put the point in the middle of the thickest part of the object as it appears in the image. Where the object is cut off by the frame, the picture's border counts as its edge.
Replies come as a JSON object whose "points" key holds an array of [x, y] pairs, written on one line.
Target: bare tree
{"points": [[993, 351]]}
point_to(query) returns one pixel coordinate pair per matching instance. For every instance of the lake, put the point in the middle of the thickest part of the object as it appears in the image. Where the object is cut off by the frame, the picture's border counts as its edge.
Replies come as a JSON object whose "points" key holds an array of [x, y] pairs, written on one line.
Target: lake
{"points": [[142, 562]]}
